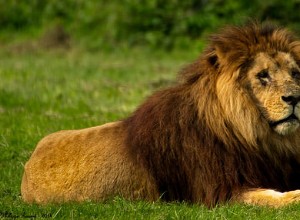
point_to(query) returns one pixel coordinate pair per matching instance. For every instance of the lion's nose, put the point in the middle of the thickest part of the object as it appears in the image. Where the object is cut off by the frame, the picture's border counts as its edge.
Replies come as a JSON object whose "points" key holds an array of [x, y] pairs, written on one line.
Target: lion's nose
{"points": [[291, 100]]}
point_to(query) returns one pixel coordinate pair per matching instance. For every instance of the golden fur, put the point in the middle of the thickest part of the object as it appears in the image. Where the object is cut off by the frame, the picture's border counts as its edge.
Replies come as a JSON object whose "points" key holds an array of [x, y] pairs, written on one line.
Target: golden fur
{"points": [[229, 131], [88, 164]]}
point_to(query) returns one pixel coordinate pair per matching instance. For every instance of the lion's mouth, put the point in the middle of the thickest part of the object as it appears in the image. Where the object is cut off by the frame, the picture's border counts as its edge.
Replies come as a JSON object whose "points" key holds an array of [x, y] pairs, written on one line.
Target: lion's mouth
{"points": [[291, 118]]}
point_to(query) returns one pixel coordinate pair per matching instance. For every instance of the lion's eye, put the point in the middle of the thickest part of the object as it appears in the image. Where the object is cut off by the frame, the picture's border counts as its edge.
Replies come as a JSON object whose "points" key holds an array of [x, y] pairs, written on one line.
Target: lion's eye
{"points": [[296, 74], [263, 76]]}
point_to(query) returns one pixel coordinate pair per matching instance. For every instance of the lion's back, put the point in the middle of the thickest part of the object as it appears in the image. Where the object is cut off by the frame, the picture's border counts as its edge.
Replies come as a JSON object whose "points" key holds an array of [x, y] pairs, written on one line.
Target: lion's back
{"points": [[77, 165]]}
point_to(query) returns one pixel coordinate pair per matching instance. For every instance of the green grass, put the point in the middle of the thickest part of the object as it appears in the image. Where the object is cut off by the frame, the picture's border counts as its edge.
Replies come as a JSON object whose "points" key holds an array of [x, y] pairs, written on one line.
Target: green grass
{"points": [[42, 92]]}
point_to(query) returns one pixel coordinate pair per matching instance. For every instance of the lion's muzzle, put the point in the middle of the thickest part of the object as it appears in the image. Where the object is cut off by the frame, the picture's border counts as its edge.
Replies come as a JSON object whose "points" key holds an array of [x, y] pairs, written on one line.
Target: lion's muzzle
{"points": [[290, 123]]}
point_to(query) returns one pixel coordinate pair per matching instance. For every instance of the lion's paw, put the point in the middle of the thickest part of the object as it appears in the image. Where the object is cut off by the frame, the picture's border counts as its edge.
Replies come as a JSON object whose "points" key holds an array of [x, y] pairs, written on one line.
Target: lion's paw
{"points": [[291, 196]]}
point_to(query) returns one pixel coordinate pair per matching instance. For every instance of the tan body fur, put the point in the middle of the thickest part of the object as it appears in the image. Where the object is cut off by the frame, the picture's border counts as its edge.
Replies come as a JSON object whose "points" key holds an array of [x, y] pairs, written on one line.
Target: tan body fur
{"points": [[229, 132], [88, 164]]}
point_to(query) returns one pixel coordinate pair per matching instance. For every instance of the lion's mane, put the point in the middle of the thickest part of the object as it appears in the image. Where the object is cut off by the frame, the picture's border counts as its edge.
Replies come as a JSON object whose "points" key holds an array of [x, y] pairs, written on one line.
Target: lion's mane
{"points": [[203, 140]]}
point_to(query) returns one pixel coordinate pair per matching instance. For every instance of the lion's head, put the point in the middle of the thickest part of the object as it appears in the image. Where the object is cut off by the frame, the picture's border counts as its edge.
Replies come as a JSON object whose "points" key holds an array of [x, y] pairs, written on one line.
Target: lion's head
{"points": [[255, 75], [274, 82]]}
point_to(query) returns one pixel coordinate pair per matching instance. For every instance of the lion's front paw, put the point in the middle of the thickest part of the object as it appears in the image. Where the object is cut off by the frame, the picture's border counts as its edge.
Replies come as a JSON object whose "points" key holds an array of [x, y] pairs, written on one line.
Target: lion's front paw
{"points": [[291, 197], [270, 197]]}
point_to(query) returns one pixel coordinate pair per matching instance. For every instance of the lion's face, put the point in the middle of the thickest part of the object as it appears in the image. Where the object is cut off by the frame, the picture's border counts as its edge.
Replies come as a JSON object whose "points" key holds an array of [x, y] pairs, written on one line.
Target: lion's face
{"points": [[274, 81]]}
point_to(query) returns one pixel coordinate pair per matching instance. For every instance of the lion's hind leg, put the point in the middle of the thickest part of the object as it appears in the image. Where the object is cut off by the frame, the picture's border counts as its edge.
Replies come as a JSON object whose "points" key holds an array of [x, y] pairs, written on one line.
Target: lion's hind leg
{"points": [[268, 197]]}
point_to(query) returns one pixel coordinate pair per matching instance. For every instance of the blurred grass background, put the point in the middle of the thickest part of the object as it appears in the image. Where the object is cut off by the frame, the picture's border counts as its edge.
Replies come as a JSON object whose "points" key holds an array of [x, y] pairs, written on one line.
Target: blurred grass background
{"points": [[100, 24], [70, 64]]}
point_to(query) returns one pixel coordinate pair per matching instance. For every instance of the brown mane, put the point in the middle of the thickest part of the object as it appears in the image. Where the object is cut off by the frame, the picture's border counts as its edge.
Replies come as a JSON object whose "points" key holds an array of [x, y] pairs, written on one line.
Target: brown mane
{"points": [[196, 149]]}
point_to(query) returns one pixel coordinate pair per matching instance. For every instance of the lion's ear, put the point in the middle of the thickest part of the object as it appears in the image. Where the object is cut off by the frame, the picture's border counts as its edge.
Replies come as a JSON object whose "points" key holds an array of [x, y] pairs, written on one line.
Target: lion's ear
{"points": [[295, 48], [228, 56], [213, 59]]}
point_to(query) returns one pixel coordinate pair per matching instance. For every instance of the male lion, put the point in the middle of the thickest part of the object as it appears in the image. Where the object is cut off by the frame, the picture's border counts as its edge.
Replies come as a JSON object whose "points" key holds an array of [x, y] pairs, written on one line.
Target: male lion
{"points": [[227, 132]]}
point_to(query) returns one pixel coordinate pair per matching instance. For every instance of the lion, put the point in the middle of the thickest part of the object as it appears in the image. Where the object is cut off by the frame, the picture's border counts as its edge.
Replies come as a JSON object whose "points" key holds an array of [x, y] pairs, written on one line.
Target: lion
{"points": [[226, 132]]}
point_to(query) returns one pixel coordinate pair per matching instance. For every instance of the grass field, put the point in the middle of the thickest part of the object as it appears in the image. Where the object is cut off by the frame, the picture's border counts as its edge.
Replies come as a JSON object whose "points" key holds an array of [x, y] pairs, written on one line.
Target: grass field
{"points": [[42, 92]]}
